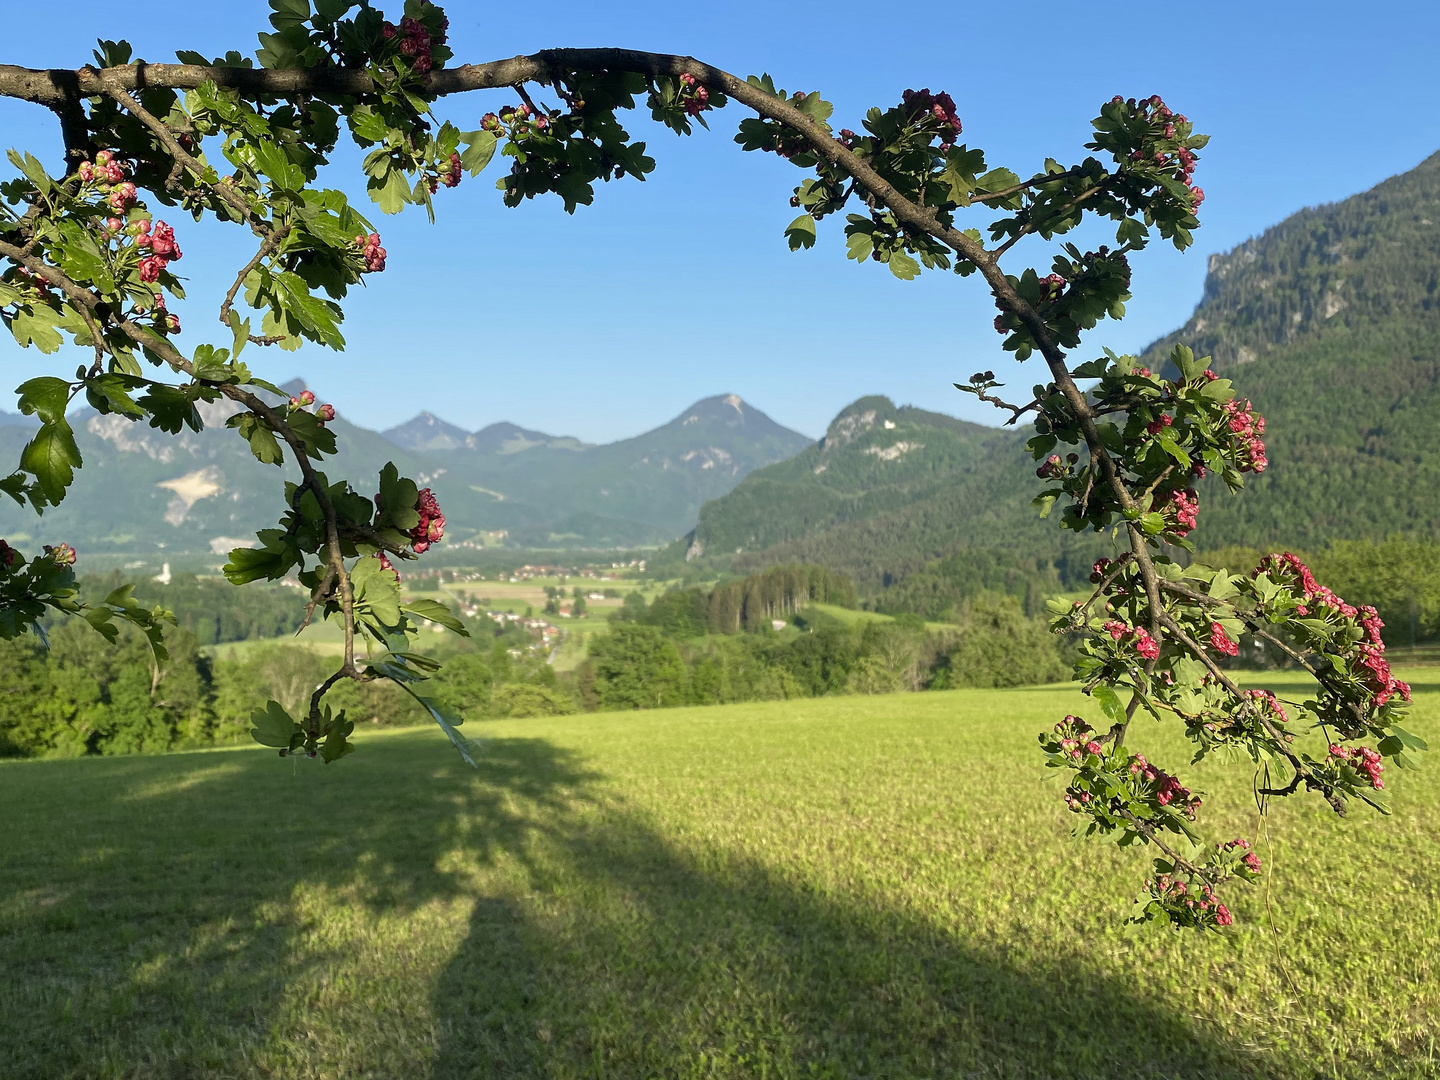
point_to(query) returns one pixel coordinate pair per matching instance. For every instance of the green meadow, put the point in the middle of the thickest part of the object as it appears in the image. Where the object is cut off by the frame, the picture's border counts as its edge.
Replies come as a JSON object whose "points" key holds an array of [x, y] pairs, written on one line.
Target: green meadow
{"points": [[841, 887]]}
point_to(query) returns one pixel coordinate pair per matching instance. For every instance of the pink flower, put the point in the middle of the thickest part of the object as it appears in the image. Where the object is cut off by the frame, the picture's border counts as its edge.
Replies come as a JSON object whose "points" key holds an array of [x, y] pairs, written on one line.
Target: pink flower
{"points": [[1220, 641], [1146, 645], [325, 412]]}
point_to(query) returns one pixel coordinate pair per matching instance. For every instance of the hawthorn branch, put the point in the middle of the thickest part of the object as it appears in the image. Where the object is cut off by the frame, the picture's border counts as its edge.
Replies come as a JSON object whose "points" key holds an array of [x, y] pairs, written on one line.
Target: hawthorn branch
{"points": [[1301, 769], [83, 299], [267, 248]]}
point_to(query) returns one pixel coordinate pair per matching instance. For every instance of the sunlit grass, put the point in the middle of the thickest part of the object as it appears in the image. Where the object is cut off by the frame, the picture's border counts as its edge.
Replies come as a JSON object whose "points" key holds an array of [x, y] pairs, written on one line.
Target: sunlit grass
{"points": [[876, 887]]}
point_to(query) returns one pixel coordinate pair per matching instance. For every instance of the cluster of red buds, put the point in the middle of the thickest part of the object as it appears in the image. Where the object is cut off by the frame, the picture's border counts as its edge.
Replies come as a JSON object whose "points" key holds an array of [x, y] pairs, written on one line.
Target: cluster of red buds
{"points": [[1361, 759], [1183, 508], [1202, 907], [1167, 789], [386, 565], [431, 528], [1052, 286], [922, 105], [1145, 645], [108, 175], [693, 94], [518, 119], [8, 555], [62, 554], [160, 242], [166, 322], [1248, 426], [416, 41], [1054, 468], [1162, 120], [371, 252], [105, 169], [1220, 641], [305, 399]]}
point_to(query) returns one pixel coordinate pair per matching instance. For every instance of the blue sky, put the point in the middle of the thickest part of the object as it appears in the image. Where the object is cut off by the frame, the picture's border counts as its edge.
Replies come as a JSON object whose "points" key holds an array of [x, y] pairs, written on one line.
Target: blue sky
{"points": [[607, 323]]}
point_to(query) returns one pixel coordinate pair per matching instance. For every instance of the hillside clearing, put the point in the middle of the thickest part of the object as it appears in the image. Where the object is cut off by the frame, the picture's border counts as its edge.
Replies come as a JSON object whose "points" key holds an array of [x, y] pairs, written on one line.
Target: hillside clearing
{"points": [[863, 886]]}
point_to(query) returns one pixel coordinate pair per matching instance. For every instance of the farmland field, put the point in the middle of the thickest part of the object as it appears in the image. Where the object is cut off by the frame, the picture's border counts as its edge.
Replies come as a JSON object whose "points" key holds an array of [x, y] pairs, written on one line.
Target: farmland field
{"points": [[866, 887]]}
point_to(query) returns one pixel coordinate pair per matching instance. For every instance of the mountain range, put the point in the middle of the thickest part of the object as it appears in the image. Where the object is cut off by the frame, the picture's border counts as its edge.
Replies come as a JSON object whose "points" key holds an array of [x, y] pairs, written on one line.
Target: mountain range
{"points": [[144, 492], [1329, 322]]}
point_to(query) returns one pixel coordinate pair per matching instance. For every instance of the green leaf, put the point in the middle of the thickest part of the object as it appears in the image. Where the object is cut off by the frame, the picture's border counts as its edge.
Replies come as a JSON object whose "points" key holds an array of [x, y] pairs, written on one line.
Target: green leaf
{"points": [[436, 612], [801, 232], [273, 726], [45, 397], [478, 152], [33, 170], [52, 457], [252, 564], [257, 433], [36, 326], [903, 266], [390, 193], [1110, 703], [335, 745]]}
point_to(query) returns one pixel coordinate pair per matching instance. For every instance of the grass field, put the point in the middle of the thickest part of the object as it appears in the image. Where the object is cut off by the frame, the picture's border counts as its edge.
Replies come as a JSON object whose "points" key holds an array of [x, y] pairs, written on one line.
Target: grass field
{"points": [[851, 887]]}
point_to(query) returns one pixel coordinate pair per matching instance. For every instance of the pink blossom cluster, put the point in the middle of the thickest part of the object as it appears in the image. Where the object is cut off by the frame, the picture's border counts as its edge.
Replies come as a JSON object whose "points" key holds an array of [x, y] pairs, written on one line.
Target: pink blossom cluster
{"points": [[431, 528], [371, 252], [8, 555], [697, 98], [416, 41], [1100, 569], [1167, 789], [1052, 287], [63, 554], [1159, 424], [940, 106], [1382, 680], [1248, 426], [385, 565], [160, 242], [1183, 506], [1051, 469], [1220, 641], [1145, 645], [1267, 702], [1251, 860], [1203, 907], [1362, 759]]}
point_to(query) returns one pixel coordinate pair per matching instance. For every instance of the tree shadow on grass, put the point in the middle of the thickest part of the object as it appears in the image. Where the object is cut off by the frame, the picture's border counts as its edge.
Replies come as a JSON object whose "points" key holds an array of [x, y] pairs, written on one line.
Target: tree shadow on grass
{"points": [[617, 954], [158, 914], [159, 917]]}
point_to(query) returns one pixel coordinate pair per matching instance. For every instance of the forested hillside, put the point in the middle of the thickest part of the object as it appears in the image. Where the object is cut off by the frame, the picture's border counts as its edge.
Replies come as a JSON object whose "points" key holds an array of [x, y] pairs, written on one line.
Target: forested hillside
{"points": [[1328, 322]]}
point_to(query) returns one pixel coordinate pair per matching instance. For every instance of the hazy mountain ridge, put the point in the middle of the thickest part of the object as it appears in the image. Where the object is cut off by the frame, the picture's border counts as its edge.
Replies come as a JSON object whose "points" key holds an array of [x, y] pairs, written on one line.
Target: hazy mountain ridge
{"points": [[141, 490]]}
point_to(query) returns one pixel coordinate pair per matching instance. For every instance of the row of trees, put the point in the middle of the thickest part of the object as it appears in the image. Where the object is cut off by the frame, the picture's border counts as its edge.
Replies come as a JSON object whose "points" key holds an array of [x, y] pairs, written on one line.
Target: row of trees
{"points": [[646, 663]]}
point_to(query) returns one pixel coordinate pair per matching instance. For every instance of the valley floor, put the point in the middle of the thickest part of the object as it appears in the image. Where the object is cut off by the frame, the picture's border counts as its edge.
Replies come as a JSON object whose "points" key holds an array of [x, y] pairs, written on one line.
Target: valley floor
{"points": [[843, 887]]}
